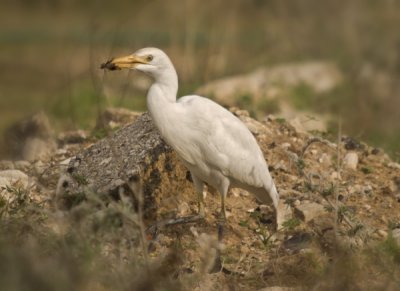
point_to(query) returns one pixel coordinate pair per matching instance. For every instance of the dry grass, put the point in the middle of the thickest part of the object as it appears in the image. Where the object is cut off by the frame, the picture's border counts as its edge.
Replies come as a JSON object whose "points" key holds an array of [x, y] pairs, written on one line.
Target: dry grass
{"points": [[98, 246]]}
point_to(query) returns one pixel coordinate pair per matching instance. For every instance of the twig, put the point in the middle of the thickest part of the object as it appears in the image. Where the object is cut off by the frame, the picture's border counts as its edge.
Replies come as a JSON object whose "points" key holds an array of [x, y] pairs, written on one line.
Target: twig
{"points": [[137, 190], [338, 170]]}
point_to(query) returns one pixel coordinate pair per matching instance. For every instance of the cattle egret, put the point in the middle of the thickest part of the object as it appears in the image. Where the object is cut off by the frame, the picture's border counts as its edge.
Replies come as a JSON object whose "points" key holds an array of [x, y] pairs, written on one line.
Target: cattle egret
{"points": [[212, 143]]}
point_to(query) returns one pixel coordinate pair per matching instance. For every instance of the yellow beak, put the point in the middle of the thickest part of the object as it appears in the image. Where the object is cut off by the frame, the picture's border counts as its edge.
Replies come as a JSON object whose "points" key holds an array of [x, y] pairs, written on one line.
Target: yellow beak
{"points": [[127, 62]]}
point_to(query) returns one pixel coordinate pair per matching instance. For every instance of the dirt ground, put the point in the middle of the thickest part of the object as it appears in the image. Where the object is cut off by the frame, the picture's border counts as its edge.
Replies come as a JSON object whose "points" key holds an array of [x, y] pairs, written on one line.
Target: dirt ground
{"points": [[336, 212]]}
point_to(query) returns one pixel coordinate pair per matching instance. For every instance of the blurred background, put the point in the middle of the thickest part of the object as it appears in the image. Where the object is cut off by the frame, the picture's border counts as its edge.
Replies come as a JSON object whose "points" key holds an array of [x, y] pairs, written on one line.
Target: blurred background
{"points": [[51, 51]]}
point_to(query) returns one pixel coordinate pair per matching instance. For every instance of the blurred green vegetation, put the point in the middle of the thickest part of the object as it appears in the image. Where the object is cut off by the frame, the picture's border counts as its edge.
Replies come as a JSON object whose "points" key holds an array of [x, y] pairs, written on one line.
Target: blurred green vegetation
{"points": [[51, 51]]}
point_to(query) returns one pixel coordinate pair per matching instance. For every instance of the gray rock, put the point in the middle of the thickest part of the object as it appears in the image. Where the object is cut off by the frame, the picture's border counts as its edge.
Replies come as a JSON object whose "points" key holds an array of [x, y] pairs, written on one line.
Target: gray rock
{"points": [[298, 241], [6, 165], [394, 165], [382, 233], [396, 235], [324, 228], [39, 167], [272, 85], [113, 118], [306, 121], [38, 149], [132, 159], [22, 165], [255, 127], [72, 137], [350, 160], [10, 177], [320, 76], [31, 138], [65, 162], [309, 211], [284, 213]]}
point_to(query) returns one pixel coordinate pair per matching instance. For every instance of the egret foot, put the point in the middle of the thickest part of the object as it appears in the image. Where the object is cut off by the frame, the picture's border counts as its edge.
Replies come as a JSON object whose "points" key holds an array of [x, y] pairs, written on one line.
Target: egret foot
{"points": [[154, 228], [217, 267]]}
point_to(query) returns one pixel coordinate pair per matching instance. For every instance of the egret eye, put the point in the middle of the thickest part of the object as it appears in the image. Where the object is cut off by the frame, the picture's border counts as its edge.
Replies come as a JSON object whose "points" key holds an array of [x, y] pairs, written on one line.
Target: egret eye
{"points": [[149, 58]]}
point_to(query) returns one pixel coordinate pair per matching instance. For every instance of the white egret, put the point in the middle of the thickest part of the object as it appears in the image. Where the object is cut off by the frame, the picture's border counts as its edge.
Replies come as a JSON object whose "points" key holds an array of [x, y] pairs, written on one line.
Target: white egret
{"points": [[213, 144]]}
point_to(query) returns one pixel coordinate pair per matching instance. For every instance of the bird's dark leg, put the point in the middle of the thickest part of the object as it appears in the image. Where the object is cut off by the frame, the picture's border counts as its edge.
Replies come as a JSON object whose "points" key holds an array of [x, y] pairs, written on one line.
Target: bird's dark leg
{"points": [[199, 185], [217, 267], [154, 228], [200, 199]]}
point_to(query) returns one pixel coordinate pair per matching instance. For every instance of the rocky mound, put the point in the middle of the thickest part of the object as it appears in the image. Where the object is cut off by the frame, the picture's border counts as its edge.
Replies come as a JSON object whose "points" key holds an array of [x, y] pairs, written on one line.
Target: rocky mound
{"points": [[337, 196]]}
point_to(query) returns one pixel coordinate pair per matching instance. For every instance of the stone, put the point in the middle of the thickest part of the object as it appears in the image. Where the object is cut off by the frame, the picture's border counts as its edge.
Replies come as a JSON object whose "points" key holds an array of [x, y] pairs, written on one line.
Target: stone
{"points": [[303, 123], [61, 151], [65, 162], [396, 235], [6, 165], [394, 165], [237, 192], [281, 165], [393, 187], [284, 213], [138, 158], [367, 189], [31, 138], [22, 165], [350, 160], [39, 167], [270, 82], [298, 241], [309, 211], [10, 177], [382, 233], [73, 137], [113, 118], [351, 143], [335, 176], [38, 149], [255, 127]]}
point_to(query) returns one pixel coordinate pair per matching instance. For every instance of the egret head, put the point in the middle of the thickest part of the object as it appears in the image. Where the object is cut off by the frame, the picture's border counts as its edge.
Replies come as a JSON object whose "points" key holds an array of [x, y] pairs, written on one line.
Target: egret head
{"points": [[152, 61]]}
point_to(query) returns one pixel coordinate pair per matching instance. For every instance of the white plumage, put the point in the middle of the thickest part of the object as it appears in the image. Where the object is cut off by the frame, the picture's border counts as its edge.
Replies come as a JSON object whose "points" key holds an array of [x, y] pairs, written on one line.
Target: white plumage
{"points": [[214, 145]]}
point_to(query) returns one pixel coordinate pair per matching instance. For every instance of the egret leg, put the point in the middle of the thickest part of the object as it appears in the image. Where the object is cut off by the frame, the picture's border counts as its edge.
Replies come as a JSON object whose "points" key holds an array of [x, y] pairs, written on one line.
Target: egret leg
{"points": [[223, 190], [222, 214], [199, 185]]}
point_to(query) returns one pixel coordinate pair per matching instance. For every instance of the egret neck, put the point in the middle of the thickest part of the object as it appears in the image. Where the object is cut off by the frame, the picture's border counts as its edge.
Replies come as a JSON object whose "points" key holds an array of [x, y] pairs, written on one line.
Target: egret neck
{"points": [[161, 98]]}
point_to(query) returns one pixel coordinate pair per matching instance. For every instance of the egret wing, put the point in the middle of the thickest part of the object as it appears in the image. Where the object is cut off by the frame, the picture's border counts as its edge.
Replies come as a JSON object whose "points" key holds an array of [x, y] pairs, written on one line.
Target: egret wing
{"points": [[220, 140]]}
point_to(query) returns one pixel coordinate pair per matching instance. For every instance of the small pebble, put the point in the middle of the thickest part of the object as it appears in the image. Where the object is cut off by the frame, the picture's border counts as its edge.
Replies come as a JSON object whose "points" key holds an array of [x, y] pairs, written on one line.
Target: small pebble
{"points": [[22, 165], [367, 207], [382, 233], [350, 160]]}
